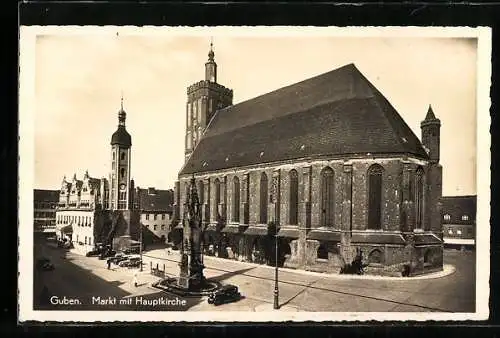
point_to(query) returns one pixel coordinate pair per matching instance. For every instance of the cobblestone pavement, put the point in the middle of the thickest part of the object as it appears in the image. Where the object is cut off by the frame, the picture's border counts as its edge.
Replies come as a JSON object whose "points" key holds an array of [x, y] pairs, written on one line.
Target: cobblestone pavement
{"points": [[79, 276]]}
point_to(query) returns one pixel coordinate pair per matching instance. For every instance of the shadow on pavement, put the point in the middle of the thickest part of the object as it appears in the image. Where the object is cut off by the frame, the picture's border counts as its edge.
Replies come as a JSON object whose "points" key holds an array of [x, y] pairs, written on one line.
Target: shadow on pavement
{"points": [[71, 287], [228, 275]]}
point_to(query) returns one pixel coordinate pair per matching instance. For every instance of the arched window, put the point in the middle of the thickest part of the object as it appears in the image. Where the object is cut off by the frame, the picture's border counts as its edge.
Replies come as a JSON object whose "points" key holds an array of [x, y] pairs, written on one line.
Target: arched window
{"points": [[294, 197], [419, 198], [263, 198], [217, 195], [375, 257], [327, 197], [375, 197], [236, 199], [201, 192]]}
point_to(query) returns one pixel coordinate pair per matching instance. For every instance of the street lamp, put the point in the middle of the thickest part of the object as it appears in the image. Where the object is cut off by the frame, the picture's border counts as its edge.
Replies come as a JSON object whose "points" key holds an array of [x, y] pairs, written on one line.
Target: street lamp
{"points": [[140, 248], [276, 291]]}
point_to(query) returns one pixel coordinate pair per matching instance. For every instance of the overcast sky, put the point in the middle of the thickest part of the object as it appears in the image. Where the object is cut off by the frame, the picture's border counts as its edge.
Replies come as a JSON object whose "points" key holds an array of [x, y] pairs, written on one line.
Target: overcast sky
{"points": [[79, 80]]}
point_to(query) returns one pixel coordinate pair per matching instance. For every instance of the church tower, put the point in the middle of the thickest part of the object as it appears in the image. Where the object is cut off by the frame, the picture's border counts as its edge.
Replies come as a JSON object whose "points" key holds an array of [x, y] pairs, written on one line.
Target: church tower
{"points": [[204, 98], [431, 135], [121, 142]]}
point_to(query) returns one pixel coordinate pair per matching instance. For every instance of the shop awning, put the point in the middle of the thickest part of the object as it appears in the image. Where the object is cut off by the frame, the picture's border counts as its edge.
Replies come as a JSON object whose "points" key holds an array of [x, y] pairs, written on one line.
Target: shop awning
{"points": [[255, 230], [232, 229], [377, 238], [324, 235], [426, 239], [68, 229], [288, 232]]}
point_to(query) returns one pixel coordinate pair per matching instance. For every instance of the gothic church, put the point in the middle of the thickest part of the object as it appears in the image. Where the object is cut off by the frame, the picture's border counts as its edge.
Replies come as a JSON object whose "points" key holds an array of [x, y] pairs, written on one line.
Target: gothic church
{"points": [[327, 163]]}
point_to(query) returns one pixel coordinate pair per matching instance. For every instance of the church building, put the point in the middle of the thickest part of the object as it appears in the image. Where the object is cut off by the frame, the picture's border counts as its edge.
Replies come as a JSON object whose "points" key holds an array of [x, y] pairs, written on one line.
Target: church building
{"points": [[327, 164], [96, 211]]}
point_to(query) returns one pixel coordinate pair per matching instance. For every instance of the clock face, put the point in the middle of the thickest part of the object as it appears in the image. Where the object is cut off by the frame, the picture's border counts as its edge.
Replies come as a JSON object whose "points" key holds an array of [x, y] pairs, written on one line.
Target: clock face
{"points": [[122, 186]]}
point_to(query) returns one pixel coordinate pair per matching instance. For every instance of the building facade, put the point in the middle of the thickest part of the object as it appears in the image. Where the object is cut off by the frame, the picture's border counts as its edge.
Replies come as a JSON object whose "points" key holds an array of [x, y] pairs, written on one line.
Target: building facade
{"points": [[95, 211], [459, 221], [331, 167], [44, 210], [156, 208]]}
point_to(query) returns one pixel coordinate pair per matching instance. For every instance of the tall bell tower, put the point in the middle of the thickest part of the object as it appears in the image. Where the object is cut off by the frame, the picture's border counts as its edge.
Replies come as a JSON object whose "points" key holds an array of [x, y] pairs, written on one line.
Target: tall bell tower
{"points": [[121, 142], [204, 98]]}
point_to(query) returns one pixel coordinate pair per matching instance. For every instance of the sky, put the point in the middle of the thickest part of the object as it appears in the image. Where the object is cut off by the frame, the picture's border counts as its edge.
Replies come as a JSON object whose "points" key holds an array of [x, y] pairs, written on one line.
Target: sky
{"points": [[79, 80]]}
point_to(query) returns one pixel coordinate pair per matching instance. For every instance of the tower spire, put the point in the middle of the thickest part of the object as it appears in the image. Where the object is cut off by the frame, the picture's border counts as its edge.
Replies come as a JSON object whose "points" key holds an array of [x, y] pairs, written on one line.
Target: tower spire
{"points": [[121, 114], [211, 53], [210, 65]]}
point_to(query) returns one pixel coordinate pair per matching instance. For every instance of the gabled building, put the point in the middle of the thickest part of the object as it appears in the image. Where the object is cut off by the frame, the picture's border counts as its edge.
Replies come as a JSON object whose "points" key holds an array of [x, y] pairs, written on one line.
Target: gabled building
{"points": [[328, 162], [156, 208], [459, 221]]}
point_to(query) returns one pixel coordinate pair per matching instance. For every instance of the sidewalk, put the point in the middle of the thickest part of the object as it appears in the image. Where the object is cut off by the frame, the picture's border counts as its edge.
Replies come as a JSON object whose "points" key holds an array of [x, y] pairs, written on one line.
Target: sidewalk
{"points": [[160, 254]]}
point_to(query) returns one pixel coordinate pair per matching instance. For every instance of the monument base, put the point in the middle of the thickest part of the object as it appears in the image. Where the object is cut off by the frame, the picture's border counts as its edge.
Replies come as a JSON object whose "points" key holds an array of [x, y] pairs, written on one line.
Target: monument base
{"points": [[171, 285]]}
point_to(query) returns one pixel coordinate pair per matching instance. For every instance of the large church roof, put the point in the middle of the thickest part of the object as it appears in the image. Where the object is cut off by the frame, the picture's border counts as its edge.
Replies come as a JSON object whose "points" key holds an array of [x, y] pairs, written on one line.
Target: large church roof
{"points": [[338, 113]]}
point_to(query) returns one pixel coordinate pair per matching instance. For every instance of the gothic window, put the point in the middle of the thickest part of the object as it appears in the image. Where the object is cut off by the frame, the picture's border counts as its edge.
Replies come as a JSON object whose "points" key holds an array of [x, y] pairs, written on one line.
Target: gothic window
{"points": [[327, 197], [263, 198], [122, 172], [200, 189], [236, 199], [189, 140], [375, 197], [294, 197], [217, 191], [375, 257], [419, 198]]}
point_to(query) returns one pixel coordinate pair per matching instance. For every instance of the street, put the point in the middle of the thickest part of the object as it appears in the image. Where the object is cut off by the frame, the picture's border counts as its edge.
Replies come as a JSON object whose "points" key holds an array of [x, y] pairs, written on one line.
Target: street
{"points": [[82, 278]]}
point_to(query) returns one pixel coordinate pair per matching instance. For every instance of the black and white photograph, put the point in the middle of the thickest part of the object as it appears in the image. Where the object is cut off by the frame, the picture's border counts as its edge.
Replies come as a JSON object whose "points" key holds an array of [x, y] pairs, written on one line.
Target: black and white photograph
{"points": [[180, 174]]}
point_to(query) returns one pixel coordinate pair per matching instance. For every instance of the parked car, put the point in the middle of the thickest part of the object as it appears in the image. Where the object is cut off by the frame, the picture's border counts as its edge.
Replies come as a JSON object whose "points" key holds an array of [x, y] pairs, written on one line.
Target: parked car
{"points": [[117, 259], [130, 260], [92, 253], [227, 293], [134, 262], [45, 264], [48, 266]]}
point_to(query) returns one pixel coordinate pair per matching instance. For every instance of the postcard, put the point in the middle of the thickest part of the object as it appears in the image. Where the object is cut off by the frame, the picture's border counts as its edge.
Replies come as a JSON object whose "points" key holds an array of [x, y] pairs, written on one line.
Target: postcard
{"points": [[254, 174]]}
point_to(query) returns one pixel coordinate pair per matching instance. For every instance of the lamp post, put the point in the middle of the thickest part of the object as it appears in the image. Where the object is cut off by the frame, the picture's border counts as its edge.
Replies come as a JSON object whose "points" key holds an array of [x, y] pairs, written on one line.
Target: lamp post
{"points": [[140, 248], [276, 290]]}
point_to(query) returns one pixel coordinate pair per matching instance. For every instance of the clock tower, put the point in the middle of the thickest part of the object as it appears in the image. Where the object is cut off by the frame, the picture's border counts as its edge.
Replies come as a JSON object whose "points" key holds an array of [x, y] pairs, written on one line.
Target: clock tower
{"points": [[121, 142]]}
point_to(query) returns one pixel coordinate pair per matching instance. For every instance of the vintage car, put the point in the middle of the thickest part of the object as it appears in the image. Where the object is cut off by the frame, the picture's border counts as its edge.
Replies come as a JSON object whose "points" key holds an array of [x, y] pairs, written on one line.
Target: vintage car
{"points": [[45, 264], [130, 261], [92, 253], [227, 293]]}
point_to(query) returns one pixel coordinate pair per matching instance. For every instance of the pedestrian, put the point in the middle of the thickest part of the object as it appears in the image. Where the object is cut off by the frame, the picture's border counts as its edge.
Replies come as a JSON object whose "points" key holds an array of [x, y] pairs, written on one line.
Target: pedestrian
{"points": [[109, 264], [135, 278]]}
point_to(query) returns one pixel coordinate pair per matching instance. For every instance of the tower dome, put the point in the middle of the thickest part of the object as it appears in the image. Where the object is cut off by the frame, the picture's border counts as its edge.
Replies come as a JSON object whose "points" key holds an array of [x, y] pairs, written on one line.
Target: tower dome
{"points": [[121, 136]]}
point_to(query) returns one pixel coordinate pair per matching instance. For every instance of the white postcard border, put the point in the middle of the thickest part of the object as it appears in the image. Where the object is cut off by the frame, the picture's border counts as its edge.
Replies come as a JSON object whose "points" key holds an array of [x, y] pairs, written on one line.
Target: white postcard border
{"points": [[26, 175]]}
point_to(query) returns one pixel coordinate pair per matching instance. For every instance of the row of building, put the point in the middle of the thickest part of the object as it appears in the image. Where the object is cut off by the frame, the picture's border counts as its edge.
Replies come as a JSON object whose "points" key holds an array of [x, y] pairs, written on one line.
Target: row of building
{"points": [[458, 215], [328, 161]]}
